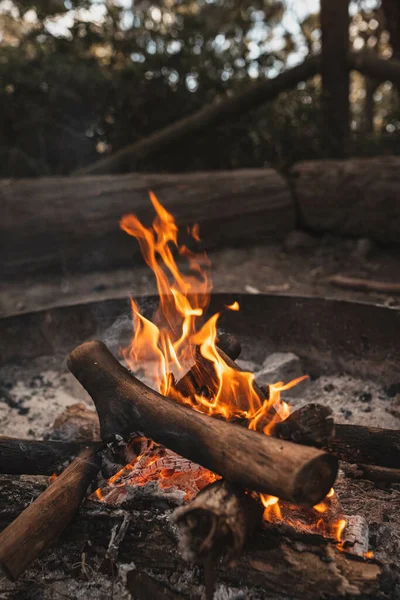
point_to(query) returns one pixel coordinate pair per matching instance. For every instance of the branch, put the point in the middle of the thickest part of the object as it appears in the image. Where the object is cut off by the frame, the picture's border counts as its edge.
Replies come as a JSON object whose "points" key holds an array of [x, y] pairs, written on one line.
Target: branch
{"points": [[213, 114]]}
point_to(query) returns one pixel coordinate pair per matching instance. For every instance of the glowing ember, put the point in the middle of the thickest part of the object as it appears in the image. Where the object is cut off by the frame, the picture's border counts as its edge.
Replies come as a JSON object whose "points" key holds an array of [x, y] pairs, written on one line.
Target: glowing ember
{"points": [[165, 349]]}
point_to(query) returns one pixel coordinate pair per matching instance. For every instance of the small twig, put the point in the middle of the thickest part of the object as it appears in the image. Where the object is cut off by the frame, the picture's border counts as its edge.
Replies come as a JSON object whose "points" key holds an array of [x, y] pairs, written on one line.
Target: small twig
{"points": [[118, 533], [364, 285]]}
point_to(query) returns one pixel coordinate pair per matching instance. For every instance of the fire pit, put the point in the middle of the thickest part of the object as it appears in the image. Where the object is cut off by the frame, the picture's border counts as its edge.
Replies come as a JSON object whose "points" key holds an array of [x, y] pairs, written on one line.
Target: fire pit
{"points": [[238, 478]]}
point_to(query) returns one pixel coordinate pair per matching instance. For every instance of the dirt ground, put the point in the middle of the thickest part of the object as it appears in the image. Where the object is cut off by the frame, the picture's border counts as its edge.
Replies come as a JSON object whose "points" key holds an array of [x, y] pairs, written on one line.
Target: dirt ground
{"points": [[300, 265]]}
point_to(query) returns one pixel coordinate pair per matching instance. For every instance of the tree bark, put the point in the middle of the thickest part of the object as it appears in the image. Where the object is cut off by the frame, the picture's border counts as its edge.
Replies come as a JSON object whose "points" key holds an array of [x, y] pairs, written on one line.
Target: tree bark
{"points": [[316, 568], [71, 224], [356, 197], [210, 115], [300, 474], [335, 76]]}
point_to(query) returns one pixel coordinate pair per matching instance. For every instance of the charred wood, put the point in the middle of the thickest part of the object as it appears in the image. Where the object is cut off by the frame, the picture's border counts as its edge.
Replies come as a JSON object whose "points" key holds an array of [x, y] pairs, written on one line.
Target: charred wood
{"points": [[216, 523], [40, 523], [311, 424], [372, 473], [317, 569], [366, 445], [36, 457], [355, 537], [300, 474]]}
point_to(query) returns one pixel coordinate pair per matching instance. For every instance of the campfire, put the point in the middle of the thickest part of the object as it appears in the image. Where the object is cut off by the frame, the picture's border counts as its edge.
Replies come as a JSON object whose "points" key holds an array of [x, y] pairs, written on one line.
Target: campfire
{"points": [[179, 416]]}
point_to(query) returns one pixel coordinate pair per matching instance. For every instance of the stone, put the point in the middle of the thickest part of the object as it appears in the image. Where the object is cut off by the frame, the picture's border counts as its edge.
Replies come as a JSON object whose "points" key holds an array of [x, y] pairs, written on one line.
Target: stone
{"points": [[299, 241], [282, 366], [247, 365], [77, 423]]}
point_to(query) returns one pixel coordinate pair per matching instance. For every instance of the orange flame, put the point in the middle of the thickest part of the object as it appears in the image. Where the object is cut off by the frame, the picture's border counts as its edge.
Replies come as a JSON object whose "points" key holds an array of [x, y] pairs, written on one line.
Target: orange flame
{"points": [[165, 349]]}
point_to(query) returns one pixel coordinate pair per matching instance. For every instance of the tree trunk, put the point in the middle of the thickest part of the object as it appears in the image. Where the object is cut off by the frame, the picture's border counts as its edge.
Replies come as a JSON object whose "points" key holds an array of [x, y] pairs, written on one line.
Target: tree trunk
{"points": [[71, 224], [335, 76], [356, 197]]}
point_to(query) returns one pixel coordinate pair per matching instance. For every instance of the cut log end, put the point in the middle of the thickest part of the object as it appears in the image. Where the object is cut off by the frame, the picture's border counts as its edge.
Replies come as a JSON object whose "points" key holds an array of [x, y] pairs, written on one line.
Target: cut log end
{"points": [[216, 523]]}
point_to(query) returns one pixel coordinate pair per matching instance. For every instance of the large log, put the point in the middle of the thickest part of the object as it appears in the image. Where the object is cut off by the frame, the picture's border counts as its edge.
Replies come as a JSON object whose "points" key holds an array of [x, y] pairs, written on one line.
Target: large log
{"points": [[255, 461], [356, 197], [72, 224], [279, 563]]}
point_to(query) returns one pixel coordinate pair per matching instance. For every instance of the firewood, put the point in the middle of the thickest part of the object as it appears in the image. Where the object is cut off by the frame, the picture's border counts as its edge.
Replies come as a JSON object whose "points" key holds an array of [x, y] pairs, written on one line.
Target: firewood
{"points": [[366, 445], [229, 344], [372, 473], [299, 474], [36, 457], [354, 538], [202, 377], [282, 563], [311, 424], [37, 526], [216, 523]]}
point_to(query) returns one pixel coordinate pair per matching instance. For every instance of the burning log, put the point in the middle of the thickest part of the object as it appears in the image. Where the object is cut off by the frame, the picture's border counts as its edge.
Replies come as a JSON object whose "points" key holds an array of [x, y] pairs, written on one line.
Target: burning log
{"points": [[32, 457], [37, 526], [216, 523], [310, 424], [299, 474], [229, 344], [313, 424], [317, 569], [355, 537]]}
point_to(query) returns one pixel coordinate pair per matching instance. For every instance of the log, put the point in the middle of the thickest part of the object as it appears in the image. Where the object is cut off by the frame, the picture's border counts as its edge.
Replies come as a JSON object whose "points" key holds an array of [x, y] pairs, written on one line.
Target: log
{"points": [[71, 224], [311, 424], [33, 457], [300, 474], [355, 197], [355, 536], [372, 473], [229, 344], [216, 523], [370, 445], [211, 115], [202, 377], [282, 563], [37, 526]]}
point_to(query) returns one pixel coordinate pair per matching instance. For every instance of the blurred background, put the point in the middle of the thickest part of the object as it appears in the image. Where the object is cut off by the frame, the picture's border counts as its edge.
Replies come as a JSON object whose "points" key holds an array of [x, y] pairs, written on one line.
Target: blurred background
{"points": [[81, 79], [274, 124]]}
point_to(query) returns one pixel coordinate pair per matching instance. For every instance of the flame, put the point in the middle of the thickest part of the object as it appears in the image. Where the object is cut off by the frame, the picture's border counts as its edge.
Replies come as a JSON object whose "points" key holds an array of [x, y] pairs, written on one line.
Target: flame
{"points": [[166, 348], [53, 477], [234, 306]]}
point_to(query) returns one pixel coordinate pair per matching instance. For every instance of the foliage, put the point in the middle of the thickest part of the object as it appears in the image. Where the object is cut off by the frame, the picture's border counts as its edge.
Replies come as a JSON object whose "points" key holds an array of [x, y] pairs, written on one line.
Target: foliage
{"points": [[79, 79]]}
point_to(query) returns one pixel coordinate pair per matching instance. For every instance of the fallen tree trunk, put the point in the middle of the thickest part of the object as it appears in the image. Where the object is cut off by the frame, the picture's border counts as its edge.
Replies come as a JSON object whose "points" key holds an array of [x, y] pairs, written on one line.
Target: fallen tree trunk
{"points": [[350, 197], [300, 474], [210, 115], [317, 569], [71, 224]]}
